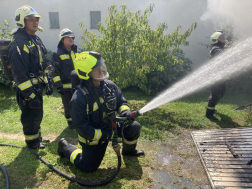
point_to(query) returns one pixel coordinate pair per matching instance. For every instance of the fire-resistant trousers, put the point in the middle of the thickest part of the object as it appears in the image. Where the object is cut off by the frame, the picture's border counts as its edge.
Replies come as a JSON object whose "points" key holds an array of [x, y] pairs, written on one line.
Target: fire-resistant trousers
{"points": [[218, 91], [66, 100], [30, 119], [89, 158]]}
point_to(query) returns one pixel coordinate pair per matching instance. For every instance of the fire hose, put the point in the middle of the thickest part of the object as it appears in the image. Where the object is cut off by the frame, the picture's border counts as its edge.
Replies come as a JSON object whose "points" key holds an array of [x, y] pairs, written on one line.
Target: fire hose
{"points": [[115, 145]]}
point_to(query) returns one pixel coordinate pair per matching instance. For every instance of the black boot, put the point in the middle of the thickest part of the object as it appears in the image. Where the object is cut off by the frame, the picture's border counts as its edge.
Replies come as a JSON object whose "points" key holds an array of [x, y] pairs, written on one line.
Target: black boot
{"points": [[61, 146], [36, 146], [70, 125], [41, 139], [209, 114], [130, 150]]}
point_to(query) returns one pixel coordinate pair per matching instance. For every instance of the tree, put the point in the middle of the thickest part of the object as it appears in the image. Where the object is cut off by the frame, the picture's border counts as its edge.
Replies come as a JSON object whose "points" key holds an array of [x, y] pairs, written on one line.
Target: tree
{"points": [[133, 50]]}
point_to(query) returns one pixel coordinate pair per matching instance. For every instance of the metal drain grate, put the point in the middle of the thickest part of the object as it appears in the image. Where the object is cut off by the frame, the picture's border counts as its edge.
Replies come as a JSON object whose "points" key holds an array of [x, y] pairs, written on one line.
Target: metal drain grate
{"points": [[226, 155]]}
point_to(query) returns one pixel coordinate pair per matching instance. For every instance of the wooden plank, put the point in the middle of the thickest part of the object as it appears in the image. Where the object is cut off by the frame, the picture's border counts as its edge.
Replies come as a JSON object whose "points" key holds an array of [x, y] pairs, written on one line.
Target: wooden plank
{"points": [[229, 166], [222, 143], [239, 152], [245, 147], [225, 149], [230, 187], [225, 162], [224, 134], [240, 184], [226, 140], [227, 155], [214, 174], [217, 170], [223, 137], [231, 179], [243, 133], [246, 129], [227, 158]]}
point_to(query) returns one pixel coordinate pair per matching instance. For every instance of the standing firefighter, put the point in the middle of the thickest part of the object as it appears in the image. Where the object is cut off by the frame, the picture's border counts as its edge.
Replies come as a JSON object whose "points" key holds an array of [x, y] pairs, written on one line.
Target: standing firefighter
{"points": [[26, 55], [63, 59], [91, 115], [218, 41]]}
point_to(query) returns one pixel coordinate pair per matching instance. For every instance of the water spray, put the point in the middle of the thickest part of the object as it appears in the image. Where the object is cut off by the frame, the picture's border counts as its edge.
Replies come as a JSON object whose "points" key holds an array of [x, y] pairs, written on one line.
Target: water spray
{"points": [[233, 61]]}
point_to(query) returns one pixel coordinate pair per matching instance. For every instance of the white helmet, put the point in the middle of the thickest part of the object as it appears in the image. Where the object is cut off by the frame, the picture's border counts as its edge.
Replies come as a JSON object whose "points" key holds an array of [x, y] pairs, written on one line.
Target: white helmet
{"points": [[23, 12]]}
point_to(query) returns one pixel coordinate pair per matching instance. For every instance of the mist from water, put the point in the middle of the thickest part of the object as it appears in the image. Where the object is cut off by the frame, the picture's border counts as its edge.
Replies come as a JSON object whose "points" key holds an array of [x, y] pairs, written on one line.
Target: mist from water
{"points": [[234, 13], [233, 61]]}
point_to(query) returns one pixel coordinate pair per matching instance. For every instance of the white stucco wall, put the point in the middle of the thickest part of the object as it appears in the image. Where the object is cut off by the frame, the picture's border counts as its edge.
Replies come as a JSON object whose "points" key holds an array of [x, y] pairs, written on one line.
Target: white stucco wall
{"points": [[71, 13]]}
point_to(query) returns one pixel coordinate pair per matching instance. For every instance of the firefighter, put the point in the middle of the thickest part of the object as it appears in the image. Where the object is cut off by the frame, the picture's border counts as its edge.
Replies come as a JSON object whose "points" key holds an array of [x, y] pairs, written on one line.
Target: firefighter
{"points": [[63, 59], [218, 41], [91, 117], [28, 73]]}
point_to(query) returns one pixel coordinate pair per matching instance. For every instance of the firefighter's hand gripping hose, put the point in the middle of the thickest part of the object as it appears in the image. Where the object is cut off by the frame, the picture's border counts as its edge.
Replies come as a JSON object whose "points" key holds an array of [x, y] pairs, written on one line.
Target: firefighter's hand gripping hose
{"points": [[115, 145]]}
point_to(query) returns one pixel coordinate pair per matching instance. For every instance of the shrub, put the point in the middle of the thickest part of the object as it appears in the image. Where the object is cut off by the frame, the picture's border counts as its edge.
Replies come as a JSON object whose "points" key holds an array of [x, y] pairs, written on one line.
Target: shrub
{"points": [[133, 51], [5, 30]]}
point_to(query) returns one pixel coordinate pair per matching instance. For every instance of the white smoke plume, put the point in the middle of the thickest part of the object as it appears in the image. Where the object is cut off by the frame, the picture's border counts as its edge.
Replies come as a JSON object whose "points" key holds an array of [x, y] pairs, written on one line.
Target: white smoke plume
{"points": [[237, 13]]}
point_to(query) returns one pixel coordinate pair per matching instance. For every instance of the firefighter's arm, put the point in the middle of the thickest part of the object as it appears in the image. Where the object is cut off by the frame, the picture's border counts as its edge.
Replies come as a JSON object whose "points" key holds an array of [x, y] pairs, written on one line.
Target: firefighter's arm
{"points": [[215, 52], [122, 105], [21, 73], [80, 120], [56, 61]]}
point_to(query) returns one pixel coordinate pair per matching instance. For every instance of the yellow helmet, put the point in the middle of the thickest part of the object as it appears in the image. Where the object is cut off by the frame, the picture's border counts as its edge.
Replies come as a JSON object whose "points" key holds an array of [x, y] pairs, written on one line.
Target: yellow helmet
{"points": [[86, 61], [23, 12], [215, 36], [66, 33]]}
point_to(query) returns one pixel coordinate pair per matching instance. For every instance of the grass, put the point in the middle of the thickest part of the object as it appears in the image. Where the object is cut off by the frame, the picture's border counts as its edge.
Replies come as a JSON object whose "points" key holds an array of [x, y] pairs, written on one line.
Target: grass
{"points": [[163, 124]]}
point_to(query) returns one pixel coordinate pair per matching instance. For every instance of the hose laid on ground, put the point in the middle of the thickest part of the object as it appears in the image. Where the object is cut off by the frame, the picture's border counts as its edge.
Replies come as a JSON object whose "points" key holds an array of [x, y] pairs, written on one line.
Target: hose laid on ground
{"points": [[116, 148], [66, 175], [6, 177]]}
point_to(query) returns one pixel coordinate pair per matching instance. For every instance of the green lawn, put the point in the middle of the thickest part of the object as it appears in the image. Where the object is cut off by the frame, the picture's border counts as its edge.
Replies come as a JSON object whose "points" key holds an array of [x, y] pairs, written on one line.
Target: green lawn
{"points": [[161, 124]]}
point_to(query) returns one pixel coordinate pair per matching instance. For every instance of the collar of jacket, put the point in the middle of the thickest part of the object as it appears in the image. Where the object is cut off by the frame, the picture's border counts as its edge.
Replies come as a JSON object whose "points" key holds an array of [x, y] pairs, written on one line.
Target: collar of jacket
{"points": [[94, 90], [22, 34], [61, 45], [219, 44]]}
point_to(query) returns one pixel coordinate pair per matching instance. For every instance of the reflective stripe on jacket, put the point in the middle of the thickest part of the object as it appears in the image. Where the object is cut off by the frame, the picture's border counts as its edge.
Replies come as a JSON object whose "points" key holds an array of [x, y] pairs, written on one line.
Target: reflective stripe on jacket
{"points": [[63, 63]]}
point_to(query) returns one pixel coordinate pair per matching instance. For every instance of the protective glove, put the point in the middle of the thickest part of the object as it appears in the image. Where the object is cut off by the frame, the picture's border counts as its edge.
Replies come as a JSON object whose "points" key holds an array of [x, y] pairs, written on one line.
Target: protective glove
{"points": [[105, 134], [127, 114], [49, 86], [35, 103], [60, 90], [49, 89]]}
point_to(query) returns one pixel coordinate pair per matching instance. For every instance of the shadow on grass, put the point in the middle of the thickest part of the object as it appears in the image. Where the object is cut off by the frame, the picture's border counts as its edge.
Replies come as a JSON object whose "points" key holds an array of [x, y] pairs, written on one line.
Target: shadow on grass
{"points": [[226, 121], [22, 174]]}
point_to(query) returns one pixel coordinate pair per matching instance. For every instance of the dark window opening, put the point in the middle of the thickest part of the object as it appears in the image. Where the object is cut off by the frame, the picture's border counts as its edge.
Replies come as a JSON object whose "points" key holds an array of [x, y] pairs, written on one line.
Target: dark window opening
{"points": [[95, 18], [54, 19]]}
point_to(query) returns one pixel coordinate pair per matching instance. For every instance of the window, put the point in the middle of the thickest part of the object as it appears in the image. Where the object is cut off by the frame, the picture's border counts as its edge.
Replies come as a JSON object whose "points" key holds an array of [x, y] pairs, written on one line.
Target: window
{"points": [[95, 18], [54, 19]]}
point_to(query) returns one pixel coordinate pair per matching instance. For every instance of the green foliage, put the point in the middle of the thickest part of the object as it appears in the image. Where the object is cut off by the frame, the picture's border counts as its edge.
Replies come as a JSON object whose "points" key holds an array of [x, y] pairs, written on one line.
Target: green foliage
{"points": [[49, 53], [133, 50], [5, 30], [158, 80]]}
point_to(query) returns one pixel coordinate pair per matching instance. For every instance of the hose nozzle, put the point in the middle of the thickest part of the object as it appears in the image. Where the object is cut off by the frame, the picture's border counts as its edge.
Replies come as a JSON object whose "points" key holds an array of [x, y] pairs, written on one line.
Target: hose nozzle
{"points": [[135, 114]]}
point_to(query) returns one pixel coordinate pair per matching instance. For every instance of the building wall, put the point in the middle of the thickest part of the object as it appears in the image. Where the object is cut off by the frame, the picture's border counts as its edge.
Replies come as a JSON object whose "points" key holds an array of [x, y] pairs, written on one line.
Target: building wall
{"points": [[71, 13]]}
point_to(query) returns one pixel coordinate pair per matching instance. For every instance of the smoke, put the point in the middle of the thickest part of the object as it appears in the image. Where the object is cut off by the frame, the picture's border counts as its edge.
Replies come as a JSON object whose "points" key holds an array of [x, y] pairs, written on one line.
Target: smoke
{"points": [[236, 13]]}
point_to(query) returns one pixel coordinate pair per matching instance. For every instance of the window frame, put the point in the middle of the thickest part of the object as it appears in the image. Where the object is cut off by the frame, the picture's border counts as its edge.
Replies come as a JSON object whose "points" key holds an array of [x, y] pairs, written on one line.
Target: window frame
{"points": [[91, 19], [52, 27]]}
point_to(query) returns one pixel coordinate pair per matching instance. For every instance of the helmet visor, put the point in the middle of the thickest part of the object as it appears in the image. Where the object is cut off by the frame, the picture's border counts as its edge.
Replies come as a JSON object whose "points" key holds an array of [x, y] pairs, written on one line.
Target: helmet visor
{"points": [[99, 72]]}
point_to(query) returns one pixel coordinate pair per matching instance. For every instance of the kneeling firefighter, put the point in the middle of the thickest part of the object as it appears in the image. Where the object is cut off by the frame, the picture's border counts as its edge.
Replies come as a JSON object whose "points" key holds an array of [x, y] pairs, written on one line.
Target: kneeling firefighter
{"points": [[92, 109], [27, 55]]}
